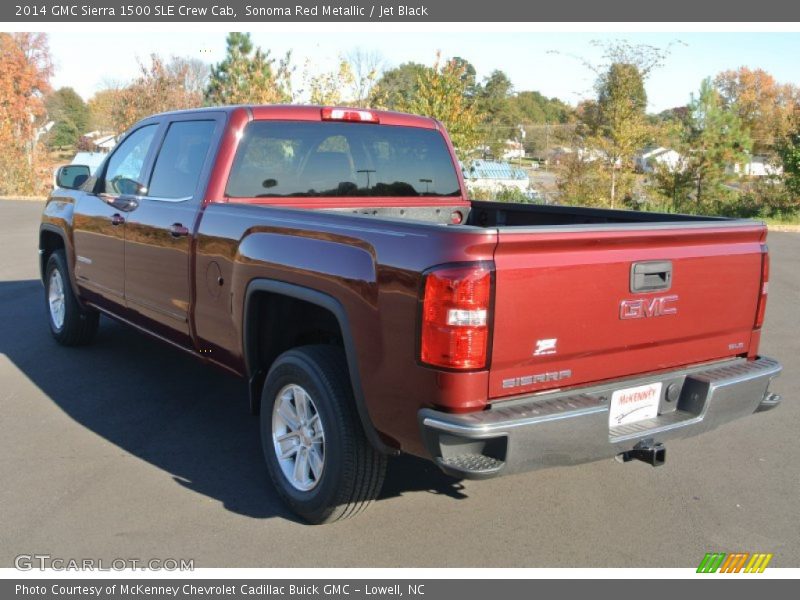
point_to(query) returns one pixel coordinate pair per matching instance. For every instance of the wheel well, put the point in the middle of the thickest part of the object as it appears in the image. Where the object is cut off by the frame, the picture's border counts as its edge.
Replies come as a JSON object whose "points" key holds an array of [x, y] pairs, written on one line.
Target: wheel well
{"points": [[280, 323], [49, 242], [280, 316]]}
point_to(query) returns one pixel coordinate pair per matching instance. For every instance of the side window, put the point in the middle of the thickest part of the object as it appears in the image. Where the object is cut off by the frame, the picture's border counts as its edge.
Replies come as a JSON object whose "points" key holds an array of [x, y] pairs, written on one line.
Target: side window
{"points": [[181, 159], [125, 166]]}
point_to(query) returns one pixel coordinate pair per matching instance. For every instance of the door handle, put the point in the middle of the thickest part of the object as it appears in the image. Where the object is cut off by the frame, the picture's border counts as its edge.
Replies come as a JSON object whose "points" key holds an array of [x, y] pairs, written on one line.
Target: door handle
{"points": [[178, 230], [652, 276], [117, 219]]}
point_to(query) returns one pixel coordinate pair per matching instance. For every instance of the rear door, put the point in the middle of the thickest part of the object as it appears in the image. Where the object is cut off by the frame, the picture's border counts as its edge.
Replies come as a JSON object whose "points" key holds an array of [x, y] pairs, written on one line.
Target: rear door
{"points": [[158, 240], [574, 307]]}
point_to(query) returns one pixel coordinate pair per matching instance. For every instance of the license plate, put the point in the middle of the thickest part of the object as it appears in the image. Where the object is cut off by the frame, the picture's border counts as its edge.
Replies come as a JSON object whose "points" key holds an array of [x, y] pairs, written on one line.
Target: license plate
{"points": [[634, 404]]}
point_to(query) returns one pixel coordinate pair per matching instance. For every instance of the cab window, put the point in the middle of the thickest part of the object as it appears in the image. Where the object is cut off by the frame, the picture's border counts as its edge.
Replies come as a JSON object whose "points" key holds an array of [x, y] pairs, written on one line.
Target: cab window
{"points": [[124, 172]]}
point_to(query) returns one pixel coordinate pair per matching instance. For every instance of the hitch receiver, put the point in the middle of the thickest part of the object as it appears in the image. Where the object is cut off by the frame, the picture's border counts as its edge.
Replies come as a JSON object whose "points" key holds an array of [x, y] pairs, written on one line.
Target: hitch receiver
{"points": [[652, 454]]}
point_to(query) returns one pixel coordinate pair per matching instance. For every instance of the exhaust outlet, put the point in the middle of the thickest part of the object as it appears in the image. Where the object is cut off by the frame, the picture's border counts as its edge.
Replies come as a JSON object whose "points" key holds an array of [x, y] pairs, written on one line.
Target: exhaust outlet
{"points": [[653, 454]]}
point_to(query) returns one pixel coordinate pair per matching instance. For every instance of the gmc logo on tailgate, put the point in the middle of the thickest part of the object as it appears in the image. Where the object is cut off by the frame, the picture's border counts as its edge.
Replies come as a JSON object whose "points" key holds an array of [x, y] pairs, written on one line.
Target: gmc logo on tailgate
{"points": [[649, 307]]}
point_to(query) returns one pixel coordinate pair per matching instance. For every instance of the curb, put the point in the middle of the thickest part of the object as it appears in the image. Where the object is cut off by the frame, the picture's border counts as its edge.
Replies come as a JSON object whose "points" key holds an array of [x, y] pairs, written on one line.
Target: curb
{"points": [[25, 198]]}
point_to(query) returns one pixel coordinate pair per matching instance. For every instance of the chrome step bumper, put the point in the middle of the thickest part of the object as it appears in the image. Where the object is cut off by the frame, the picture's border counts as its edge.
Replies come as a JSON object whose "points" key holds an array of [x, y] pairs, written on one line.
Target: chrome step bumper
{"points": [[565, 428]]}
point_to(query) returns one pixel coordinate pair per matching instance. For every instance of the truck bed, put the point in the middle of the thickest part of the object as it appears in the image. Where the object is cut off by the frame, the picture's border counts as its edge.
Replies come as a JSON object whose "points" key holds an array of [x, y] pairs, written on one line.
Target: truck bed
{"points": [[485, 214], [565, 310]]}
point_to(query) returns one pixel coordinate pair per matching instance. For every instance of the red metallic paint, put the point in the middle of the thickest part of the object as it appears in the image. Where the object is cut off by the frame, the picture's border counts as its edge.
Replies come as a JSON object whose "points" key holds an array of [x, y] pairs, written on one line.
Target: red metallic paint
{"points": [[548, 283]]}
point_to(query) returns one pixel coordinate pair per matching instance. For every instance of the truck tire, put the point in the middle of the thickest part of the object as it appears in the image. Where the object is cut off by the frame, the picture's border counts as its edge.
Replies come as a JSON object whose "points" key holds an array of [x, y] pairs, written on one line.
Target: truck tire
{"points": [[70, 323], [317, 455]]}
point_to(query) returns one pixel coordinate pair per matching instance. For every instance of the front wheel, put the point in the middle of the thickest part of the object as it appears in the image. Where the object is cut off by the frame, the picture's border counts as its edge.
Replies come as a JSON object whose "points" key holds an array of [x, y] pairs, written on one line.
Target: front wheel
{"points": [[70, 323], [318, 457]]}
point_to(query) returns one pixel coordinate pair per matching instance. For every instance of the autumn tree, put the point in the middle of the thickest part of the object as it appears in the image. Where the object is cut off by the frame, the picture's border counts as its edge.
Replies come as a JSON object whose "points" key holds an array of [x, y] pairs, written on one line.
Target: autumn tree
{"points": [[620, 127], [764, 106], [333, 87], [101, 108], [158, 88], [192, 71], [365, 67], [248, 75], [69, 113], [24, 82], [440, 93], [614, 126], [582, 181], [715, 139]]}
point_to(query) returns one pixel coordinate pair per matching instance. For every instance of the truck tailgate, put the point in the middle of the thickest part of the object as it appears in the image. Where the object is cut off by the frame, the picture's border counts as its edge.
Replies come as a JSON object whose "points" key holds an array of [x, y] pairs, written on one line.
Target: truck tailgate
{"points": [[566, 313]]}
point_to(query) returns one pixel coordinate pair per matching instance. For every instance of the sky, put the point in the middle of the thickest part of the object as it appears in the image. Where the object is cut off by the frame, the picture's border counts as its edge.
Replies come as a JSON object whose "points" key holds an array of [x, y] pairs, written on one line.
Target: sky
{"points": [[539, 61]]}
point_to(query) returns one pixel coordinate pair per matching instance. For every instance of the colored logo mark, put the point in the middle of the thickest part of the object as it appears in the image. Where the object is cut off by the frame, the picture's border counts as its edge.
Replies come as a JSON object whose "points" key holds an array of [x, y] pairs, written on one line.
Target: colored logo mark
{"points": [[736, 562]]}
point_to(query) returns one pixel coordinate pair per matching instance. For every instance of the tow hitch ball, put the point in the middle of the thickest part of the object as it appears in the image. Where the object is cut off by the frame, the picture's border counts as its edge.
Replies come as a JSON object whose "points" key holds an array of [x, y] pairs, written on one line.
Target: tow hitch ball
{"points": [[652, 454]]}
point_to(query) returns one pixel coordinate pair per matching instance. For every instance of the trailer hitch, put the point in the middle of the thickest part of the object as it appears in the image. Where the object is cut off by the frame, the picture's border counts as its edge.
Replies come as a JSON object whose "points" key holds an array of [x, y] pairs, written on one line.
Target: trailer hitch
{"points": [[652, 454]]}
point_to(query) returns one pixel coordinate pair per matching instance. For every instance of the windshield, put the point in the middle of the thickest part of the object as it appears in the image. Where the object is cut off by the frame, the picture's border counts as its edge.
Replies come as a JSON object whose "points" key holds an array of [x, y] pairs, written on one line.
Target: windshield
{"points": [[310, 159]]}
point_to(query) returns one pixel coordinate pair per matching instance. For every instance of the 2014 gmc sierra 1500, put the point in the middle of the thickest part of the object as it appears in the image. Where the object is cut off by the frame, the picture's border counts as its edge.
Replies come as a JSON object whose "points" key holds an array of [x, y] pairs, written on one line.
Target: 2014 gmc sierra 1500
{"points": [[333, 258]]}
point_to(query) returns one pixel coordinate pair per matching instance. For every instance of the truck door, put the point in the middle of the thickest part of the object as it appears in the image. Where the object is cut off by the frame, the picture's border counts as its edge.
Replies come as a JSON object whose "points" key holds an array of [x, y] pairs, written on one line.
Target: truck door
{"points": [[100, 215], [158, 237]]}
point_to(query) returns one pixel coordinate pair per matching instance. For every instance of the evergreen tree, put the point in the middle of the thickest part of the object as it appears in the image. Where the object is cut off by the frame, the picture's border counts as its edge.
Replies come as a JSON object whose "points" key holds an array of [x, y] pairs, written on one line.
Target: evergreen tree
{"points": [[715, 139], [248, 75]]}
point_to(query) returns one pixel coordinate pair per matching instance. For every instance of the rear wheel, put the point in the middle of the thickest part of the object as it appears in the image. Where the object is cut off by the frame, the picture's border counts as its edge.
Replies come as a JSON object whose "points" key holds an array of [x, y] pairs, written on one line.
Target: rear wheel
{"points": [[70, 323], [318, 457]]}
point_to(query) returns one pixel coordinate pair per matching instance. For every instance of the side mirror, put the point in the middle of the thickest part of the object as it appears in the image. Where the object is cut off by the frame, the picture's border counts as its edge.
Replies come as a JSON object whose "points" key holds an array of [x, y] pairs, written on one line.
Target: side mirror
{"points": [[72, 177]]}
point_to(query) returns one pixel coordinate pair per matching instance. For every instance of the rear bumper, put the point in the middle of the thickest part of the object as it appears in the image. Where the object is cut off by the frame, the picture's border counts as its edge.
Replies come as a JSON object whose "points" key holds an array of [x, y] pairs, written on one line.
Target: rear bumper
{"points": [[566, 428]]}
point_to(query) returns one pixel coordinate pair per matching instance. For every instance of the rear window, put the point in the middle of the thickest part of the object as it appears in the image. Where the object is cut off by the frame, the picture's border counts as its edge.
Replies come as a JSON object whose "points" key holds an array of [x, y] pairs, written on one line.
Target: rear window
{"points": [[308, 159]]}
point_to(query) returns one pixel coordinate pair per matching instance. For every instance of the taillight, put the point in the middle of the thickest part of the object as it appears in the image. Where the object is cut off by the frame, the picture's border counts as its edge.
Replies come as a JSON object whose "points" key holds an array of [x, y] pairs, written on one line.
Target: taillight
{"points": [[349, 114], [762, 297], [455, 317]]}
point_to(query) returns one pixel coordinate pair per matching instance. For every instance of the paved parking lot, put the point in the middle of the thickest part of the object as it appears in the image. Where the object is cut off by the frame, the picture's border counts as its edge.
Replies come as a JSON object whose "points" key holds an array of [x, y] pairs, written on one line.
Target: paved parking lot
{"points": [[130, 449]]}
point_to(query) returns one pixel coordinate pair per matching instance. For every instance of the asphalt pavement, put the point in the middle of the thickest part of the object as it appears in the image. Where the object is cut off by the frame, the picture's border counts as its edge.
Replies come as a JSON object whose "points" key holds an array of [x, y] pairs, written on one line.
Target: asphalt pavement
{"points": [[130, 449]]}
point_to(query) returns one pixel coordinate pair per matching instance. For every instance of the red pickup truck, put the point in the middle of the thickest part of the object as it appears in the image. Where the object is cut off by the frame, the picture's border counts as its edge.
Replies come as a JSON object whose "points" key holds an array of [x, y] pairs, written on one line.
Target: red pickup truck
{"points": [[332, 257]]}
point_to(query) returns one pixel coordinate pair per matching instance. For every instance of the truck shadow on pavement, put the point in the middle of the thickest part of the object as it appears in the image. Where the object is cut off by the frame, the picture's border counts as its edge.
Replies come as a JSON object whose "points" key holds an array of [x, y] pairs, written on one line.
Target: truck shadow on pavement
{"points": [[166, 408]]}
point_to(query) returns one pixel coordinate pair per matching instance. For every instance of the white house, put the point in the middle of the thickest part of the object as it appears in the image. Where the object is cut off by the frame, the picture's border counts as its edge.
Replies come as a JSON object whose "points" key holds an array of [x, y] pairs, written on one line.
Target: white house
{"points": [[512, 149], [649, 159], [101, 141], [757, 166]]}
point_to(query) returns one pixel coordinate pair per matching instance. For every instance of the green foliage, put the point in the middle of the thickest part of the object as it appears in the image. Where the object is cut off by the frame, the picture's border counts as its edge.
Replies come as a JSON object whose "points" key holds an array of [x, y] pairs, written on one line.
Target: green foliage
{"points": [[674, 186], [492, 101], [504, 194], [790, 156], [584, 182], [441, 94], [397, 87], [63, 133], [70, 114], [616, 125], [715, 138], [532, 108], [621, 89], [247, 75], [468, 75], [66, 105], [765, 198]]}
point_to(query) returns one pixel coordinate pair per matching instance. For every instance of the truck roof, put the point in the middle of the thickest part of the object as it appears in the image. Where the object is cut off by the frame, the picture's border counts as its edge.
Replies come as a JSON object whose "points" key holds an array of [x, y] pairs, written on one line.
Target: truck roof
{"points": [[296, 112]]}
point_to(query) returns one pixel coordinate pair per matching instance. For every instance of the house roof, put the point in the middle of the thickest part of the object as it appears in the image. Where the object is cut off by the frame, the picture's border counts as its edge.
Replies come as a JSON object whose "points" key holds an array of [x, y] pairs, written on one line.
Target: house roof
{"points": [[493, 169]]}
